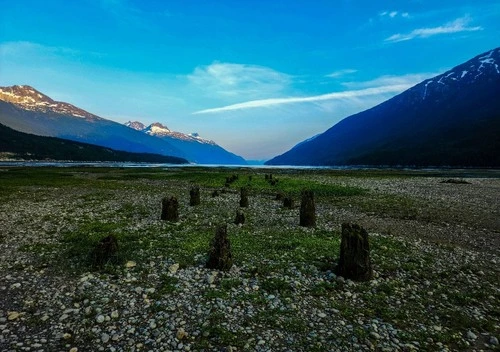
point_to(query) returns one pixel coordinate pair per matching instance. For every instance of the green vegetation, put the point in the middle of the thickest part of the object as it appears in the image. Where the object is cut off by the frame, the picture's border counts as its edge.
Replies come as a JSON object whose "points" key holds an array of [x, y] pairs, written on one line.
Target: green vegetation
{"points": [[281, 270]]}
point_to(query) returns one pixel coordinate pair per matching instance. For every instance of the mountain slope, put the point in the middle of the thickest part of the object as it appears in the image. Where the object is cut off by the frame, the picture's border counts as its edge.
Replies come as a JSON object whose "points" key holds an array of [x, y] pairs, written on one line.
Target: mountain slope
{"points": [[24, 109], [449, 120], [19, 145], [196, 149]]}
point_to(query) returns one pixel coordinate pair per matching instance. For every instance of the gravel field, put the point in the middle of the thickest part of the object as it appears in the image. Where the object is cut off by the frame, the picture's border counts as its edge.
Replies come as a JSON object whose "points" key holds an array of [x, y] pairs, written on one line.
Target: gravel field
{"points": [[435, 252]]}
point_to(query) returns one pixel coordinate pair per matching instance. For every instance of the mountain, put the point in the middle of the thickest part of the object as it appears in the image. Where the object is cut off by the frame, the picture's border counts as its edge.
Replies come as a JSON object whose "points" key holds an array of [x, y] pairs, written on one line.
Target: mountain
{"points": [[196, 149], [452, 119], [27, 110], [19, 145]]}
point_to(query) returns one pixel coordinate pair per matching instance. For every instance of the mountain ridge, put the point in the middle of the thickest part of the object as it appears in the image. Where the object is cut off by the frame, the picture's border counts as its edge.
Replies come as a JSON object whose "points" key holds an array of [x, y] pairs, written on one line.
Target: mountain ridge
{"points": [[450, 119]]}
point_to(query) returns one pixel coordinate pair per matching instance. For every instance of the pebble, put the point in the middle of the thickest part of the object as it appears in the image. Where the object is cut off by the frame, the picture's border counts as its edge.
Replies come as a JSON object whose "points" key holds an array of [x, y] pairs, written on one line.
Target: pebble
{"points": [[104, 338], [130, 264], [100, 318], [13, 315], [173, 268], [471, 336], [493, 341]]}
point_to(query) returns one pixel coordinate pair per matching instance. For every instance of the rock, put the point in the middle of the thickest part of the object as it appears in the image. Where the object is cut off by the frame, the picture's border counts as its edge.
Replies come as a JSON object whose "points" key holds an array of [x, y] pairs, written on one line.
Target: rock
{"points": [[181, 334], [173, 268], [13, 315], [115, 314], [105, 251], [244, 197], [74, 349], [307, 209], [194, 196], [170, 209], [240, 218], [104, 338], [493, 341], [375, 335], [219, 256], [471, 336], [354, 262], [100, 318], [130, 264]]}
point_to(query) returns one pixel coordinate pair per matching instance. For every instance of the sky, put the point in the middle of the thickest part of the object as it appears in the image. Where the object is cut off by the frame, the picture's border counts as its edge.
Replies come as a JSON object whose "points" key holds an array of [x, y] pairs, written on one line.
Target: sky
{"points": [[257, 77]]}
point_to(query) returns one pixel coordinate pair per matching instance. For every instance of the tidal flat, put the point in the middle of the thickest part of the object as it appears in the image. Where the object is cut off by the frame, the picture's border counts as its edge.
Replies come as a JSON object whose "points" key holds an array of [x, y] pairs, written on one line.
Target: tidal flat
{"points": [[435, 251]]}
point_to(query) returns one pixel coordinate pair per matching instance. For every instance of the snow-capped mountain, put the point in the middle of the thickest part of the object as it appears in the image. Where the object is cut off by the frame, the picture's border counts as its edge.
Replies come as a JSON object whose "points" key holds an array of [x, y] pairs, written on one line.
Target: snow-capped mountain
{"points": [[452, 119], [159, 130], [29, 98], [27, 110], [196, 149]]}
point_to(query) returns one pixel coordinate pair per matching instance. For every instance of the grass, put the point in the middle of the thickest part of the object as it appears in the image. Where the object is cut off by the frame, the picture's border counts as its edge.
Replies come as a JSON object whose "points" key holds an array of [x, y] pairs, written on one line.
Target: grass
{"points": [[270, 254]]}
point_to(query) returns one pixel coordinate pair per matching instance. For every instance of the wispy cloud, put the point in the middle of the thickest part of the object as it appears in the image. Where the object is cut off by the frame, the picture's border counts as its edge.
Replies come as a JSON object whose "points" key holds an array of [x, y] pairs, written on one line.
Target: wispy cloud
{"points": [[341, 73], [316, 98], [391, 80], [456, 26], [394, 14], [233, 80]]}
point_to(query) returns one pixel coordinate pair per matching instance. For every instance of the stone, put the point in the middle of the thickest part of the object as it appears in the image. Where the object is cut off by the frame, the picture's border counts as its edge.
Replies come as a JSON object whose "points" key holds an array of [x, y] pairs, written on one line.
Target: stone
{"points": [[493, 341], [375, 335], [105, 251], [13, 315], [354, 262], [74, 349], [471, 336], [220, 256], [307, 209], [100, 318], [240, 218], [170, 209], [130, 264], [104, 338], [173, 268], [244, 197], [194, 196], [115, 314], [181, 334], [288, 202]]}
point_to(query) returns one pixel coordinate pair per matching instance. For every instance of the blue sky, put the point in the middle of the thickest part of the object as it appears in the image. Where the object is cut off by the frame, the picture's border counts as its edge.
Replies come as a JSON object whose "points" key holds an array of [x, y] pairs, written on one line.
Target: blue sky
{"points": [[255, 76]]}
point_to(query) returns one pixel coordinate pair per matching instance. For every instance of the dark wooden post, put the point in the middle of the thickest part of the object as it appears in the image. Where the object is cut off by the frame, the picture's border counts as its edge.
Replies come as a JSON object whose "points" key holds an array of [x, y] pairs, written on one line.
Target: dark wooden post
{"points": [[170, 209], [219, 256], [105, 251], [240, 218], [194, 196], [354, 262], [307, 209], [288, 202], [244, 197]]}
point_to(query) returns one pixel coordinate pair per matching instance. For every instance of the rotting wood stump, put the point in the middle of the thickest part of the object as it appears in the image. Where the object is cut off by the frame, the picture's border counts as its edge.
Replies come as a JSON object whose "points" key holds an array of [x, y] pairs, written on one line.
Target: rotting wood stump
{"points": [[243, 197], [170, 209], [354, 262], [288, 202], [307, 209], [105, 251], [219, 256], [240, 218], [194, 196]]}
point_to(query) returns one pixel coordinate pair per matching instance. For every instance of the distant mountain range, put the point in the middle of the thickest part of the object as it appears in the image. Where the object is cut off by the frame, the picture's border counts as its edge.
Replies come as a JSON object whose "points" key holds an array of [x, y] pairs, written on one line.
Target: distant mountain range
{"points": [[195, 148], [27, 110], [450, 120], [15, 145]]}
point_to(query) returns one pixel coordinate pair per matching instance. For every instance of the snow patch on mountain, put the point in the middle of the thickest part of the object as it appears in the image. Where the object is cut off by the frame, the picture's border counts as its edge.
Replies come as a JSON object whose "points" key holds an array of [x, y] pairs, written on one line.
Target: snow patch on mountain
{"points": [[29, 98], [159, 130]]}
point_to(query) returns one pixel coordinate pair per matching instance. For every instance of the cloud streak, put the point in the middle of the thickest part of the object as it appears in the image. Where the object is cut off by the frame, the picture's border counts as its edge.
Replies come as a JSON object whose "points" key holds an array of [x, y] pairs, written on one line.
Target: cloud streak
{"points": [[456, 26], [316, 98], [233, 80], [341, 73]]}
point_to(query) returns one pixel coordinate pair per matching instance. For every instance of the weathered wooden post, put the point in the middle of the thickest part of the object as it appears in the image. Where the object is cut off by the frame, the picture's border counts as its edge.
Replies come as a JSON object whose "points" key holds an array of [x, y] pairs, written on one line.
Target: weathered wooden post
{"points": [[354, 262], [194, 196], [240, 218], [244, 197], [288, 202], [104, 251], [307, 209], [170, 209], [219, 256]]}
